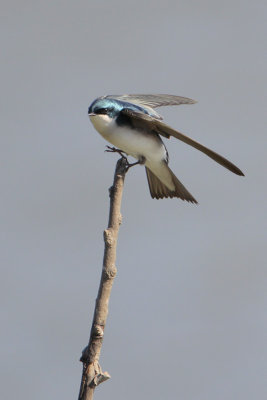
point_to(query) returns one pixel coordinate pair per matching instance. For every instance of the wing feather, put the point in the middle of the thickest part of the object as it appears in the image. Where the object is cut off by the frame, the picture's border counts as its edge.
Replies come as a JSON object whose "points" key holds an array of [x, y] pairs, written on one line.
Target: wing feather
{"points": [[153, 100], [144, 121]]}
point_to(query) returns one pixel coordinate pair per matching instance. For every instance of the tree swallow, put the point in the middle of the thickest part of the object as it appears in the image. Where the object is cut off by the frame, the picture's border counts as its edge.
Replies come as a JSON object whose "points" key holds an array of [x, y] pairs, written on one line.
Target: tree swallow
{"points": [[131, 124]]}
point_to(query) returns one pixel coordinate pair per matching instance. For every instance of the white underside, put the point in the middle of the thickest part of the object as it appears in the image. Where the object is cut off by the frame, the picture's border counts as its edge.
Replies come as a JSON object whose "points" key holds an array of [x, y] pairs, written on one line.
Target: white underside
{"points": [[135, 144]]}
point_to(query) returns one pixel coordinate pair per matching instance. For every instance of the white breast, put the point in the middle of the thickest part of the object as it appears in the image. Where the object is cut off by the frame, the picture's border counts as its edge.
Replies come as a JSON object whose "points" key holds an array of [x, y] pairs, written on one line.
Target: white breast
{"points": [[129, 140]]}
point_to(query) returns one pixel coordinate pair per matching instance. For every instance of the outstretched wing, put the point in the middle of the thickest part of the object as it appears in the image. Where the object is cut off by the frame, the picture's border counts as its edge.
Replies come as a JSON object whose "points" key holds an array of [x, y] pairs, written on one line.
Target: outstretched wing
{"points": [[144, 121], [153, 100]]}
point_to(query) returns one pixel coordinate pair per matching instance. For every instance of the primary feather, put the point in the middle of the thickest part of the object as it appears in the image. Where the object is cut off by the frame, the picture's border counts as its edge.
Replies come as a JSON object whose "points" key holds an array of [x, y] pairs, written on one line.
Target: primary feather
{"points": [[152, 124]]}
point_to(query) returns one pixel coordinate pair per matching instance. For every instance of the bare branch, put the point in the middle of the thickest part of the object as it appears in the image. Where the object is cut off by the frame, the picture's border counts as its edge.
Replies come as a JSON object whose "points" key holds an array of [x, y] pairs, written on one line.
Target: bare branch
{"points": [[92, 373]]}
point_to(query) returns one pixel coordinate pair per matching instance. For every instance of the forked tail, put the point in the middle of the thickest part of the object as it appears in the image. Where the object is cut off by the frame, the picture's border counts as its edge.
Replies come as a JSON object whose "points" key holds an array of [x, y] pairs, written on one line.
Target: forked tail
{"points": [[159, 191]]}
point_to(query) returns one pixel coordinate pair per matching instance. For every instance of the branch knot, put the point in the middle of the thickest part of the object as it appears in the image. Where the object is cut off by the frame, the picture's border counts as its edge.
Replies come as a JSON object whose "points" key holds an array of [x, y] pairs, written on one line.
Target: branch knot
{"points": [[108, 237], [99, 375], [110, 271], [98, 331]]}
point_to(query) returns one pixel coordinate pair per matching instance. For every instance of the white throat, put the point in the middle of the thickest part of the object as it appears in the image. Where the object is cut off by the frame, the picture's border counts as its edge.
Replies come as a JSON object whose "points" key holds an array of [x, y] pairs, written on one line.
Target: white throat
{"points": [[102, 123]]}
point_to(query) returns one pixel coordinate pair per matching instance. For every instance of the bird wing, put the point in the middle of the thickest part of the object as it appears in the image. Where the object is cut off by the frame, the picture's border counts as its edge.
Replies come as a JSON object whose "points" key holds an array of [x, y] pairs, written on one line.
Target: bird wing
{"points": [[146, 122], [153, 100]]}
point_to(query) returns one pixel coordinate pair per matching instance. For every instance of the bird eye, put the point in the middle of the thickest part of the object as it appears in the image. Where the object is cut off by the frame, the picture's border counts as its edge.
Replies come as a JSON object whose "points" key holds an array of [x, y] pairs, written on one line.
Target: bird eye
{"points": [[101, 111]]}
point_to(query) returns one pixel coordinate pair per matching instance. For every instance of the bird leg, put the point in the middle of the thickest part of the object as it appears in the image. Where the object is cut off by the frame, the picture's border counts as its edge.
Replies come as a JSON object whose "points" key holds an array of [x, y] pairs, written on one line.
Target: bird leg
{"points": [[141, 160]]}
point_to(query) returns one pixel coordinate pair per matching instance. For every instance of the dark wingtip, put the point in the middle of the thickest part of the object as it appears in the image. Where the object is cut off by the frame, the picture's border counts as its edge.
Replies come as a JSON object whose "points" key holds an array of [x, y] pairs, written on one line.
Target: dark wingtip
{"points": [[238, 171], [227, 164]]}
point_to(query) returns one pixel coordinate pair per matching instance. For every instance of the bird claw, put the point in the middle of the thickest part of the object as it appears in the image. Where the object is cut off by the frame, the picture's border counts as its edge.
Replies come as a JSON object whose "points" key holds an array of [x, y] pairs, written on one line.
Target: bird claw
{"points": [[114, 150], [122, 154]]}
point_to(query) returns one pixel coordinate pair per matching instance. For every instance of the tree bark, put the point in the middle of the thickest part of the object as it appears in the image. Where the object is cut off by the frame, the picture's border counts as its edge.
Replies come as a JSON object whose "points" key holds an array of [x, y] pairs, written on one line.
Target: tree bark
{"points": [[92, 374]]}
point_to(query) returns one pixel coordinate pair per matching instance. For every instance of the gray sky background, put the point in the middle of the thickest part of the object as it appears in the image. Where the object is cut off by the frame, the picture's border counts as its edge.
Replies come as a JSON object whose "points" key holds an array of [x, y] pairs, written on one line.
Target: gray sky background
{"points": [[188, 309]]}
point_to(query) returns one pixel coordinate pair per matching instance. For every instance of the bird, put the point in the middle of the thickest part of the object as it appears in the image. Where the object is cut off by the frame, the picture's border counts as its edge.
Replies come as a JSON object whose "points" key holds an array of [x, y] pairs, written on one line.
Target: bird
{"points": [[130, 123]]}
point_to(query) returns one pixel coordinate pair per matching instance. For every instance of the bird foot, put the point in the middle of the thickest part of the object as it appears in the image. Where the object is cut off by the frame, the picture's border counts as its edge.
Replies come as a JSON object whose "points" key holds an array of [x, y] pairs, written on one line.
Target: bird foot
{"points": [[114, 150], [124, 156]]}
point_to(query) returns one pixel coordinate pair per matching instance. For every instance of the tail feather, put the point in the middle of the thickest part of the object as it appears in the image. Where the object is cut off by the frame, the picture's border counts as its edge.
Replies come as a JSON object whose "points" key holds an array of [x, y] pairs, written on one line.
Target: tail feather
{"points": [[159, 191]]}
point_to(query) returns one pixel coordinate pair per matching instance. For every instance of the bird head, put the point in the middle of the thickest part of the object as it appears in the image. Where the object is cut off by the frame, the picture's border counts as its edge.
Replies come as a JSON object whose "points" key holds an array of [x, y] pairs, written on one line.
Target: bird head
{"points": [[104, 106]]}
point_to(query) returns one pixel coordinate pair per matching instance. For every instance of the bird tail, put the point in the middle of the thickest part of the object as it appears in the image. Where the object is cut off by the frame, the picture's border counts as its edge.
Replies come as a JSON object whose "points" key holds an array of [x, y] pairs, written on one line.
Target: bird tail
{"points": [[159, 191]]}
